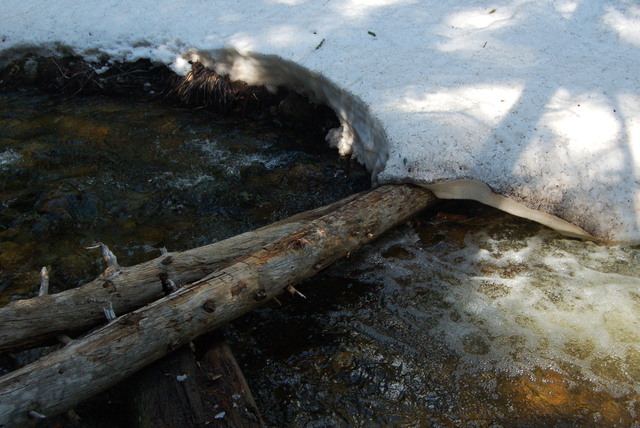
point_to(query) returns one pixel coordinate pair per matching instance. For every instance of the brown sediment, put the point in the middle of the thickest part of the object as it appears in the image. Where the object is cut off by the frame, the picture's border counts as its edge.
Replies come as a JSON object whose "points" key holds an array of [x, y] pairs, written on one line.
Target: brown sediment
{"points": [[553, 397]]}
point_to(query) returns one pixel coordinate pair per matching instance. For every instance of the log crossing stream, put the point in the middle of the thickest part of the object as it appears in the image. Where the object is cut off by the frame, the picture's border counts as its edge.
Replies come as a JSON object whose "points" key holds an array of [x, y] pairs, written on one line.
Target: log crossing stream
{"points": [[465, 317]]}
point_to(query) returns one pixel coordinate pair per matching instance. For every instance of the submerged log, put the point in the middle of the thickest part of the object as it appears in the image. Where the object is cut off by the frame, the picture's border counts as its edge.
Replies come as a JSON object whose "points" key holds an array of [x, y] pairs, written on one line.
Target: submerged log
{"points": [[64, 378], [184, 390], [41, 320]]}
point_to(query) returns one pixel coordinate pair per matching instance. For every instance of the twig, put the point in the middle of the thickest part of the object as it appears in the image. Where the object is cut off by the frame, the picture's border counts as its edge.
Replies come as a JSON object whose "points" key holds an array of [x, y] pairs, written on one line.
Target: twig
{"points": [[291, 289], [64, 74], [109, 313], [44, 282], [110, 259], [36, 415]]}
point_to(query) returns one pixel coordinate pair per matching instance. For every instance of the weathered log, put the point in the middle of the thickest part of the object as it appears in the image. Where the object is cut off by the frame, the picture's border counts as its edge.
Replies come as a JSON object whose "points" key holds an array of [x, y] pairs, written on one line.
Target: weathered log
{"points": [[41, 320], [231, 391], [64, 378], [167, 393], [181, 390]]}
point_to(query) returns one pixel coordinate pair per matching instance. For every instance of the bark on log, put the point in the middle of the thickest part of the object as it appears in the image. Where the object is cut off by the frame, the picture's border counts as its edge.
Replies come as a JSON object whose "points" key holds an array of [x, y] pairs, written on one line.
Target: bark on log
{"points": [[180, 390], [61, 380], [40, 320]]}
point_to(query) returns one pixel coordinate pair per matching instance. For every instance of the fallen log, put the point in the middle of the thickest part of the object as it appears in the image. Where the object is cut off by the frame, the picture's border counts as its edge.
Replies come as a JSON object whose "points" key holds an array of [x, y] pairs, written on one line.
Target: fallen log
{"points": [[42, 320], [182, 390], [167, 393], [62, 379], [231, 391]]}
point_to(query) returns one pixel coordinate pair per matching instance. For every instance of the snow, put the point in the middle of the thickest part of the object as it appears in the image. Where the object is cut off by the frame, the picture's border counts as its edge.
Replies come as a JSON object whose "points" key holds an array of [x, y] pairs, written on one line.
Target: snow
{"points": [[532, 106]]}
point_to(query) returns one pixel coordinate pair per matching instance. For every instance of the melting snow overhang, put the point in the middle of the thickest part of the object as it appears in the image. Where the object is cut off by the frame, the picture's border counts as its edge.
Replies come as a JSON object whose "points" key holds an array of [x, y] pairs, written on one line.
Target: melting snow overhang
{"points": [[531, 106]]}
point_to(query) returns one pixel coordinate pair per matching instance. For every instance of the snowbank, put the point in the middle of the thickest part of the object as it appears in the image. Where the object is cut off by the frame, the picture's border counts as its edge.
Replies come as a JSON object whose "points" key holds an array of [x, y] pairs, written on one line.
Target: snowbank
{"points": [[531, 106]]}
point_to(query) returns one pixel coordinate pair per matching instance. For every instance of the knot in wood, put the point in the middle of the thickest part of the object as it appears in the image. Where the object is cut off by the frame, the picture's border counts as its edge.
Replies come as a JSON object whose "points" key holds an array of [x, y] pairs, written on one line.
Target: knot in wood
{"points": [[167, 260], [261, 294], [209, 306], [110, 286], [238, 288], [297, 244], [168, 286]]}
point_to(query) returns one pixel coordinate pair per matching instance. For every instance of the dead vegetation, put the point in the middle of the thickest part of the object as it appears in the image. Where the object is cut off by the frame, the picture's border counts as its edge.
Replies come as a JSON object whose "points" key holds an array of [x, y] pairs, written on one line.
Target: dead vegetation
{"points": [[201, 88]]}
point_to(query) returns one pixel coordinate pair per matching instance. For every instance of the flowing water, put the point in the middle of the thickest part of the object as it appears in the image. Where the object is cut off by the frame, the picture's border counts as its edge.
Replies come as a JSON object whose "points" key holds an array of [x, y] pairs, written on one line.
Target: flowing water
{"points": [[470, 318], [465, 317], [140, 177]]}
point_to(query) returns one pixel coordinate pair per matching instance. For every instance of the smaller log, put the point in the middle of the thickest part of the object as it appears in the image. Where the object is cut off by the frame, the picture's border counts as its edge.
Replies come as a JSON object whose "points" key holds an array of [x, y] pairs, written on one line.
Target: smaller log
{"points": [[183, 390], [166, 394]]}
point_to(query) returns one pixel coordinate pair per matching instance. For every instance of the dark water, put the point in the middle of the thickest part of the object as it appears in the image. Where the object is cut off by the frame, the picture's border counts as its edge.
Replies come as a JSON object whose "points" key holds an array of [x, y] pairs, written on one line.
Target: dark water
{"points": [[139, 177], [466, 317]]}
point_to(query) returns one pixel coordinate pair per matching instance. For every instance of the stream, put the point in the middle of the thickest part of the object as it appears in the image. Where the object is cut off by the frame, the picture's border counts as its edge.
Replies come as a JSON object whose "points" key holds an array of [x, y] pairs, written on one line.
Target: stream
{"points": [[466, 316]]}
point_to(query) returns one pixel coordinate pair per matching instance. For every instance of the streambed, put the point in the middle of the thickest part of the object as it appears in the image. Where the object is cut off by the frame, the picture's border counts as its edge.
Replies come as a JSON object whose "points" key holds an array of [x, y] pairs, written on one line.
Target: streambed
{"points": [[465, 317], [140, 177]]}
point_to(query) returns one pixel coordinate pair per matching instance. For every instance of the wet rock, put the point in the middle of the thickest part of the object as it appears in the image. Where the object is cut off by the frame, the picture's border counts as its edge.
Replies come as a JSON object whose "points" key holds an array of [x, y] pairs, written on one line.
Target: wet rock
{"points": [[57, 204], [632, 360], [580, 349], [60, 206]]}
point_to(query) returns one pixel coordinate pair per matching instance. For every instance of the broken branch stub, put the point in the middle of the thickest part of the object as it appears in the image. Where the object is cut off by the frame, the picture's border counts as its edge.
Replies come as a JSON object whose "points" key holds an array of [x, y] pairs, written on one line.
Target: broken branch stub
{"points": [[44, 282], [87, 366]]}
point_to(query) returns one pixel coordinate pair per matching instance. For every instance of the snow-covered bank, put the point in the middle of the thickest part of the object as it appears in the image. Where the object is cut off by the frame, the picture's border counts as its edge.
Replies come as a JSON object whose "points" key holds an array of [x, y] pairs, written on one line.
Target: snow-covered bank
{"points": [[539, 100]]}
